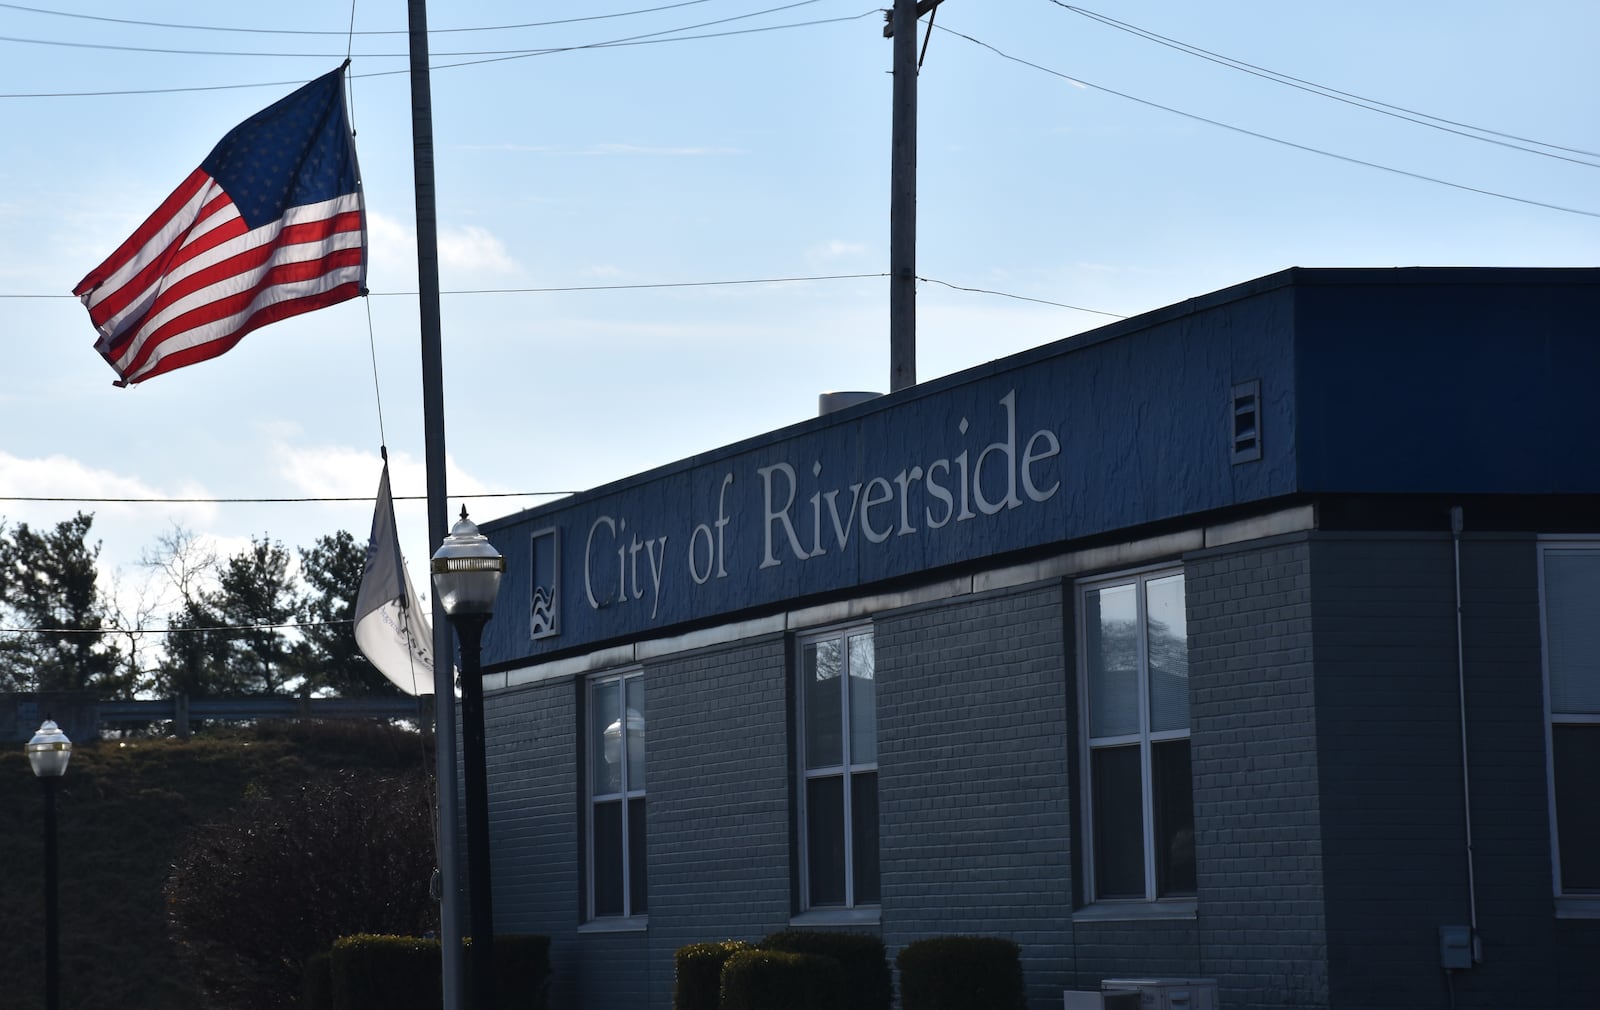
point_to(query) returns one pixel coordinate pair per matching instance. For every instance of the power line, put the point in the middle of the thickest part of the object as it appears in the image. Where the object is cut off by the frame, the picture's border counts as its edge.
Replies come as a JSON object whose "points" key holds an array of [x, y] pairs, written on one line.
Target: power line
{"points": [[518, 53], [1268, 137], [1020, 298], [666, 285], [342, 34], [1467, 130]]}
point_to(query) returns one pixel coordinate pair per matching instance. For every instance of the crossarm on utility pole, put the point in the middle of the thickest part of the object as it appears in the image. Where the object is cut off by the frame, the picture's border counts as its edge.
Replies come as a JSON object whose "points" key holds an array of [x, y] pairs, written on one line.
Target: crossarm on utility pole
{"points": [[923, 7]]}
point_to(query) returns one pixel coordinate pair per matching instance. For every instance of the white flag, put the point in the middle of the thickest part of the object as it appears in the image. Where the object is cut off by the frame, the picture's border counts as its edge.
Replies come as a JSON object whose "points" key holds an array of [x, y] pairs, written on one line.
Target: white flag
{"points": [[392, 630]]}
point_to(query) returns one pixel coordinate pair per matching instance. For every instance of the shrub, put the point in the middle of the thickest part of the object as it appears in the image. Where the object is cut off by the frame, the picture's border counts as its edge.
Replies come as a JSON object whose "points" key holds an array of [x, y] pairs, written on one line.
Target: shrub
{"points": [[778, 980], [521, 969], [961, 973], [392, 972], [317, 983], [868, 984], [291, 870], [699, 974]]}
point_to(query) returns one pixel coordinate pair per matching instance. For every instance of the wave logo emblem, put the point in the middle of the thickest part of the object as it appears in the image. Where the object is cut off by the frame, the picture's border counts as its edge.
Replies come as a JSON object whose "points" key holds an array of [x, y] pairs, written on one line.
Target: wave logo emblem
{"points": [[545, 612]]}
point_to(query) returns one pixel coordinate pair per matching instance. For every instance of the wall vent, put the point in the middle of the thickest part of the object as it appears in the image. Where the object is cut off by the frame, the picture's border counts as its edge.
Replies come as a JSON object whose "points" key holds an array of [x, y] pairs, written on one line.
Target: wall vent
{"points": [[1246, 413]]}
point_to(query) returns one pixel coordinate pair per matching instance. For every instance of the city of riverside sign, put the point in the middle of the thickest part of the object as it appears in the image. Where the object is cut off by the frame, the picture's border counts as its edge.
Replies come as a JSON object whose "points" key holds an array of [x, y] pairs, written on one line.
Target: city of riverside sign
{"points": [[628, 564]]}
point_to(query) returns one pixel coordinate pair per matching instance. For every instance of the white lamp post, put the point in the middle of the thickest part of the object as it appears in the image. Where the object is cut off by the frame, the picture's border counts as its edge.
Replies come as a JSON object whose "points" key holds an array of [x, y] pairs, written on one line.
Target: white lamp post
{"points": [[466, 575], [48, 753]]}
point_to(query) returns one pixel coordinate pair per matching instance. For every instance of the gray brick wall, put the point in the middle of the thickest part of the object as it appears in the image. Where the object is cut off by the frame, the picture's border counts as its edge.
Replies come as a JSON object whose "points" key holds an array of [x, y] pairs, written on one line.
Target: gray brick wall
{"points": [[976, 833], [717, 767], [533, 814], [1253, 748], [1390, 753]]}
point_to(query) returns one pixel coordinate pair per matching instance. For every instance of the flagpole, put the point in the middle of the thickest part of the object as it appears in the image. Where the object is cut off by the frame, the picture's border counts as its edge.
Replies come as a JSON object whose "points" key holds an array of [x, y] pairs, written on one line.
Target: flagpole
{"points": [[438, 508]]}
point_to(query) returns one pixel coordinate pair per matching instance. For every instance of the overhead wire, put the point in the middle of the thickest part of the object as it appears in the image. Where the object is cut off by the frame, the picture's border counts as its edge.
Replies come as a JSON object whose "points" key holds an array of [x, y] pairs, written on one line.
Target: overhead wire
{"points": [[1479, 133], [516, 53], [306, 31], [1348, 159]]}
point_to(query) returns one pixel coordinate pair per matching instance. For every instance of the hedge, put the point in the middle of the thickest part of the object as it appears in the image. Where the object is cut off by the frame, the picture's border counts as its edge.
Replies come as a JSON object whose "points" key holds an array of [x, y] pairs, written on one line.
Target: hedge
{"points": [[961, 973], [403, 972], [778, 980], [698, 984], [393, 972], [868, 984]]}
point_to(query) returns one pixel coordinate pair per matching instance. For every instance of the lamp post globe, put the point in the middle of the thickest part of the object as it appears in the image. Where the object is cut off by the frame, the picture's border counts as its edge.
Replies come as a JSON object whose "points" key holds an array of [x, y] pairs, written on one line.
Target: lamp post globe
{"points": [[466, 576], [48, 753], [466, 571]]}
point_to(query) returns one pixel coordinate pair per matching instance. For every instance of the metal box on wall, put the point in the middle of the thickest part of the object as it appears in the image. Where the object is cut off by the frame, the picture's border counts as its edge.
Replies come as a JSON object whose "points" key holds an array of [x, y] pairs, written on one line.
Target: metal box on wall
{"points": [[1166, 993]]}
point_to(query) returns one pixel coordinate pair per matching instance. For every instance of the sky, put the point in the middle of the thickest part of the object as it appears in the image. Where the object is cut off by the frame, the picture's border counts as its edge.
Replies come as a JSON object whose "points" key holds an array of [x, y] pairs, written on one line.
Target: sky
{"points": [[665, 230]]}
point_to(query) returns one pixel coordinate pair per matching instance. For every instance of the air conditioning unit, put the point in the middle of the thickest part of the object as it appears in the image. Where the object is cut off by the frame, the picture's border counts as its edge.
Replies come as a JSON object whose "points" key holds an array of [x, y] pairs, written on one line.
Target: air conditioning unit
{"points": [[1096, 1000], [1165, 993]]}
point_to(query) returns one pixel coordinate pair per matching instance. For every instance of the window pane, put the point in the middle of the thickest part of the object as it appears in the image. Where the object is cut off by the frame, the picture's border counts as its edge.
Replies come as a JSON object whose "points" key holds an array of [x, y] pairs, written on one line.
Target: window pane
{"points": [[605, 736], [1572, 632], [1174, 815], [607, 867], [825, 840], [1118, 822], [1577, 765], [1111, 620], [864, 835], [637, 900], [1167, 649], [863, 702], [635, 733], [823, 700]]}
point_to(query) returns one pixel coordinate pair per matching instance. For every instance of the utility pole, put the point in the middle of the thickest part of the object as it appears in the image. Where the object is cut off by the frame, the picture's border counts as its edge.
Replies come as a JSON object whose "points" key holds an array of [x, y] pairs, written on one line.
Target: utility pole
{"points": [[902, 27], [444, 690]]}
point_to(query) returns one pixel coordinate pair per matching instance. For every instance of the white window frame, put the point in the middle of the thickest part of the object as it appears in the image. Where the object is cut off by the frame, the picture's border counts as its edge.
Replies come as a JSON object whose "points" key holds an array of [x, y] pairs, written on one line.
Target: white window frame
{"points": [[847, 769], [629, 917], [1139, 578], [1581, 904]]}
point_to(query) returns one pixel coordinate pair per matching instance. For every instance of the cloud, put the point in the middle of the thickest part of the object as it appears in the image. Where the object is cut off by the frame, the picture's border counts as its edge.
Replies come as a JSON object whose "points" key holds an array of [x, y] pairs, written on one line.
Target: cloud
{"points": [[63, 477], [472, 250], [838, 249]]}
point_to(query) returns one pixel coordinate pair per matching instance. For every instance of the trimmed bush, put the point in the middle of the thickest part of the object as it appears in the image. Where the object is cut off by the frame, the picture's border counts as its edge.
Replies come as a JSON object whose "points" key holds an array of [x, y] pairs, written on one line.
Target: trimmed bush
{"points": [[868, 985], [778, 980], [698, 984], [403, 972], [961, 973], [521, 968], [317, 983], [392, 972]]}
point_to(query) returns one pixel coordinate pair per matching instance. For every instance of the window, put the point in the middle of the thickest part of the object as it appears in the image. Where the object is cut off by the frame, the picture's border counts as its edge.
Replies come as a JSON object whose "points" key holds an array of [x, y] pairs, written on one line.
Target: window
{"points": [[616, 796], [1135, 690], [839, 770], [1570, 606]]}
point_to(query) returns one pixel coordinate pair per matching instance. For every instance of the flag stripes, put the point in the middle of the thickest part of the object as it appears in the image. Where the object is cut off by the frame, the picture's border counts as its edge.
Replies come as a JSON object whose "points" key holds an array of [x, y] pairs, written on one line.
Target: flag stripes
{"points": [[195, 277]]}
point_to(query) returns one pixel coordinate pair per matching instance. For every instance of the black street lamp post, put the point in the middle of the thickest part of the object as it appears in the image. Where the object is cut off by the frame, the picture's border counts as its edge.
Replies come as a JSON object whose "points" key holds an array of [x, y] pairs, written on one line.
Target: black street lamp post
{"points": [[466, 575], [48, 753]]}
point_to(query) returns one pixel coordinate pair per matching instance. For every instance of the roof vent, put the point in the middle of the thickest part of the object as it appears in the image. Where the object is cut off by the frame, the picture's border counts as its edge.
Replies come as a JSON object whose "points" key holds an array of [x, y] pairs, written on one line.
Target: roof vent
{"points": [[827, 403], [1247, 421]]}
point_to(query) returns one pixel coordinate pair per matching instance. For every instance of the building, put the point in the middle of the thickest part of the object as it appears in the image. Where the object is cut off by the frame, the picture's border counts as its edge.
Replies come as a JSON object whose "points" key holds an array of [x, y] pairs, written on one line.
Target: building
{"points": [[1253, 639]]}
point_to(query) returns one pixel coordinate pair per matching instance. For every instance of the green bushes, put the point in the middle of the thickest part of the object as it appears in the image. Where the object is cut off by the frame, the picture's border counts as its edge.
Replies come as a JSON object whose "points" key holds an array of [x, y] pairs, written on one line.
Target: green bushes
{"points": [[816, 970], [403, 973], [759, 979], [961, 973], [867, 982], [393, 972], [699, 974]]}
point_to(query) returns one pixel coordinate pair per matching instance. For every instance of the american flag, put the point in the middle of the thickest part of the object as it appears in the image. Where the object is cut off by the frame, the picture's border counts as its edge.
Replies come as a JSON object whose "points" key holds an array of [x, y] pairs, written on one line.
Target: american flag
{"points": [[269, 226]]}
